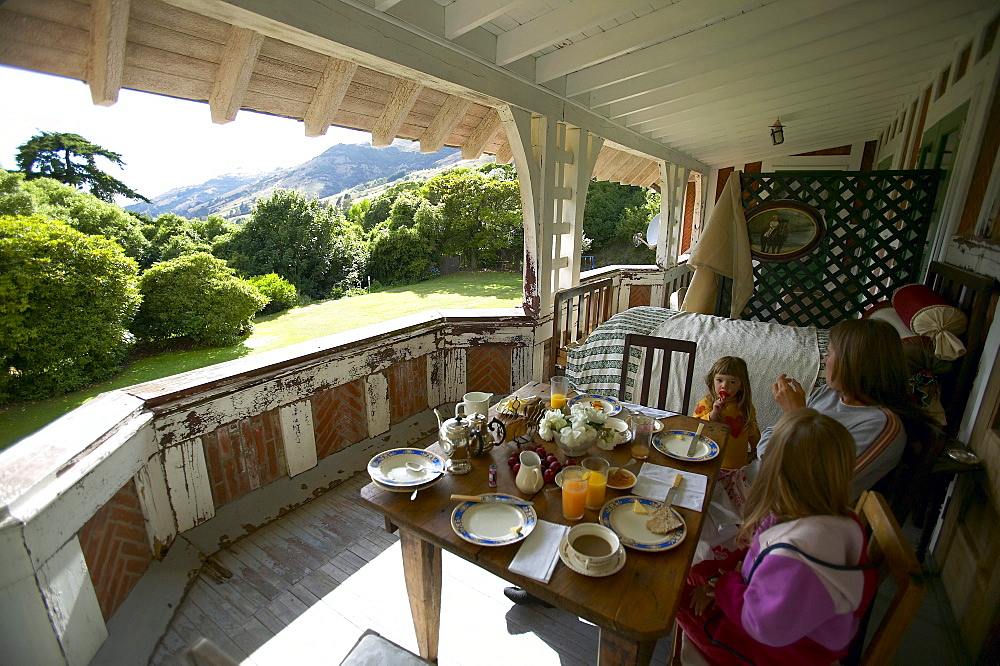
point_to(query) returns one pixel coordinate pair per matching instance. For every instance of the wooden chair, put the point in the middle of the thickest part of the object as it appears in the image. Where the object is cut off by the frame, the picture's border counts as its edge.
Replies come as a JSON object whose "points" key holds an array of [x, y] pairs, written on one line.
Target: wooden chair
{"points": [[578, 311], [667, 346], [894, 557]]}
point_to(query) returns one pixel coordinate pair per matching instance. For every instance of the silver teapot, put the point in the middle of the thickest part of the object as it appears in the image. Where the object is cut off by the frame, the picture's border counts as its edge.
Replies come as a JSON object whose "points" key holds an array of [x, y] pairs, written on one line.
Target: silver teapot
{"points": [[465, 436]]}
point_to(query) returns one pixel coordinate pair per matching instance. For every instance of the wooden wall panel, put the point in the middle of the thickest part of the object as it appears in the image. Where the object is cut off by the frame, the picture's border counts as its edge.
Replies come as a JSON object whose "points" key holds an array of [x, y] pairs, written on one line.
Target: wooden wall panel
{"points": [[639, 294], [339, 417], [489, 369], [243, 456], [407, 389]]}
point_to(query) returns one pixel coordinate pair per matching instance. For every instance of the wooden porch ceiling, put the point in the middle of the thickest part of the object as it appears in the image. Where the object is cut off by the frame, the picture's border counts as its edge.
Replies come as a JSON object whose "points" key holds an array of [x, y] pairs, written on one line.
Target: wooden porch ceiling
{"points": [[684, 80]]}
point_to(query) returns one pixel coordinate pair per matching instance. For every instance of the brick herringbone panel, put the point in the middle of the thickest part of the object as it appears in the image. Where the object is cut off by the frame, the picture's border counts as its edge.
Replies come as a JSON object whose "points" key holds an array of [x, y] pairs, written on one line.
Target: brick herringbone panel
{"points": [[488, 369], [339, 417], [116, 548], [639, 294], [243, 456], [407, 389]]}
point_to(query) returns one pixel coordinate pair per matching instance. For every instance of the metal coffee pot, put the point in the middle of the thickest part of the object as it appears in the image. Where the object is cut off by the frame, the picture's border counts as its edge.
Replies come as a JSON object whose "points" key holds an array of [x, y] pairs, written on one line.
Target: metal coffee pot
{"points": [[465, 435]]}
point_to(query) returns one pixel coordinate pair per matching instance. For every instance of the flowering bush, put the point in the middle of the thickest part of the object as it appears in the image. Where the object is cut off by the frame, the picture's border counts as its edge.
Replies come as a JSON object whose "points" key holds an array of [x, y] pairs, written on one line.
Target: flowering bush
{"points": [[581, 426]]}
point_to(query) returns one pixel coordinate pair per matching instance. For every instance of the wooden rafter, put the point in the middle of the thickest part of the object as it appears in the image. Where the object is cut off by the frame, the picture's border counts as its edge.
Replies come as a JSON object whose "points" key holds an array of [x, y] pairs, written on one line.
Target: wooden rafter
{"points": [[504, 154], [329, 94], [397, 107], [233, 76], [444, 123], [481, 136], [461, 17], [108, 30]]}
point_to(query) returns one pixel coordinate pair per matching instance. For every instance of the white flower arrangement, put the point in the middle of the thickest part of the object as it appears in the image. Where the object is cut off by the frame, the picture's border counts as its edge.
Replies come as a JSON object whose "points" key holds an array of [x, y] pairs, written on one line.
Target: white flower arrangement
{"points": [[582, 426]]}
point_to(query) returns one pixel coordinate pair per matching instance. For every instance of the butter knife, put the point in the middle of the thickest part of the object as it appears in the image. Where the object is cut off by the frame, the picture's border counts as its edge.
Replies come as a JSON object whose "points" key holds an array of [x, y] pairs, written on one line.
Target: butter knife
{"points": [[492, 500], [694, 441], [674, 489]]}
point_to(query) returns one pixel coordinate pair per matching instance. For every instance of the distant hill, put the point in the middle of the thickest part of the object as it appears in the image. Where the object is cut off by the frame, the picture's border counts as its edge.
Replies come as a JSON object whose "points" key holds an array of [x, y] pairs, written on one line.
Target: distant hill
{"points": [[341, 167]]}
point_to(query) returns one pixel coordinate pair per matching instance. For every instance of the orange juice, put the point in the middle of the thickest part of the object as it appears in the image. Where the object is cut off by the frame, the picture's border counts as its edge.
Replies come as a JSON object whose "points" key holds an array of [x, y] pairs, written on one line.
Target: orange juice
{"points": [[574, 493], [557, 400], [597, 484]]}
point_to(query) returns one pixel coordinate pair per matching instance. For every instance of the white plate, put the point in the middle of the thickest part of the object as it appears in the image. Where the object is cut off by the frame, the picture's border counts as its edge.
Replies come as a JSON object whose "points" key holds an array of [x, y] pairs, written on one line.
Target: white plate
{"points": [[630, 526], [490, 524], [675, 443], [409, 489], [609, 405], [389, 467], [613, 566]]}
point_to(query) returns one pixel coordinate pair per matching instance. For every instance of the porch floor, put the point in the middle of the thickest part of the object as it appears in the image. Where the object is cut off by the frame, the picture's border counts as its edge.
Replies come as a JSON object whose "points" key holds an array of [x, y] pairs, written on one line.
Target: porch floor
{"points": [[304, 588]]}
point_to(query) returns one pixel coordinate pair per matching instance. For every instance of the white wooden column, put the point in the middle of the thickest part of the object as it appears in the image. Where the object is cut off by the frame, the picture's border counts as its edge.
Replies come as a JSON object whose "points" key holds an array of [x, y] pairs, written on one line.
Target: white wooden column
{"points": [[580, 149], [673, 187]]}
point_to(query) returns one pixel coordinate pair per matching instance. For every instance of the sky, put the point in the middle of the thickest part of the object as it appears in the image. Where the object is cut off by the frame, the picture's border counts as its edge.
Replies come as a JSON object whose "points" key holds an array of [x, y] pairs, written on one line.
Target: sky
{"points": [[164, 142]]}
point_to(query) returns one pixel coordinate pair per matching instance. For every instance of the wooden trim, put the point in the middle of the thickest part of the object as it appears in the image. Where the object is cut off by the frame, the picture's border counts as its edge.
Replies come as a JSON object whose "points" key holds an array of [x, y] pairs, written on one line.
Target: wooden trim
{"points": [[108, 31], [233, 75], [982, 173], [918, 131], [397, 107], [329, 95], [444, 123], [482, 135]]}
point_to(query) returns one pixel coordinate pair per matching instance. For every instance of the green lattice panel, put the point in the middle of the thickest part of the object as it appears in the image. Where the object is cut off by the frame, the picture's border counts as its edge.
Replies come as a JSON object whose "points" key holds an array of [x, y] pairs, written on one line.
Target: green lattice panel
{"points": [[876, 233]]}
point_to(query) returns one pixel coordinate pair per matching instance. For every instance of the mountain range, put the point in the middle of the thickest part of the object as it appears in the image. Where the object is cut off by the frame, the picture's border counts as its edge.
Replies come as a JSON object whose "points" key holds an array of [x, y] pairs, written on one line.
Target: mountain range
{"points": [[341, 171]]}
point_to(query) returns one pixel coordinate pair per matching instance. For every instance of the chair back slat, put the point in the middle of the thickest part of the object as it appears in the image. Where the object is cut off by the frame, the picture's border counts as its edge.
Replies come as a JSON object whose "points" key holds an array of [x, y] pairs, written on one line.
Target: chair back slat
{"points": [[667, 346]]}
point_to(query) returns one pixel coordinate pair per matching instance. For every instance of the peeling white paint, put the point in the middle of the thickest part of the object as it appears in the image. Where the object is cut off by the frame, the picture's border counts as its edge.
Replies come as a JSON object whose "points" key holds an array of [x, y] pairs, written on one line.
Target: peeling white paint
{"points": [[188, 483], [154, 498], [377, 399], [298, 437], [72, 602]]}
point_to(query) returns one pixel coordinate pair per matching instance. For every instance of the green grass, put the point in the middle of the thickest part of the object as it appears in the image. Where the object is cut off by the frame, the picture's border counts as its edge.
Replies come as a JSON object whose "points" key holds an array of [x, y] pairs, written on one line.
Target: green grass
{"points": [[457, 291]]}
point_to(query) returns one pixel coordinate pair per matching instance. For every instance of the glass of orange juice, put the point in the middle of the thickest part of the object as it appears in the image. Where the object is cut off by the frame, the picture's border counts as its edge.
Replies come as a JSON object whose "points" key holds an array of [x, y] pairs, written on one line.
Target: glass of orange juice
{"points": [[558, 388], [574, 492], [597, 481]]}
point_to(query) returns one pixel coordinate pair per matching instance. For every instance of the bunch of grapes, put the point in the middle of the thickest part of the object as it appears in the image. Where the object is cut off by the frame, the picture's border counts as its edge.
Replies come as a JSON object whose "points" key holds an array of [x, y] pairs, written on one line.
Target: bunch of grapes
{"points": [[550, 464]]}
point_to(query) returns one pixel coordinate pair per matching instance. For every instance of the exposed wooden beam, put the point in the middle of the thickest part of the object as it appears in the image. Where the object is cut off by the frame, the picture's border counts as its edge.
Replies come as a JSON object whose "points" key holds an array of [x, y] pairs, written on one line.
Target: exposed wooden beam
{"points": [[386, 5], [329, 94], [108, 29], [233, 75], [482, 135], [397, 107], [504, 154], [550, 27], [462, 16], [444, 123]]}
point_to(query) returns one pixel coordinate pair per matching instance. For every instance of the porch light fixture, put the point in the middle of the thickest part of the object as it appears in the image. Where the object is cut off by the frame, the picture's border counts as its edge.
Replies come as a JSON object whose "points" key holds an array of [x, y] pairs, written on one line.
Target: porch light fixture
{"points": [[777, 132]]}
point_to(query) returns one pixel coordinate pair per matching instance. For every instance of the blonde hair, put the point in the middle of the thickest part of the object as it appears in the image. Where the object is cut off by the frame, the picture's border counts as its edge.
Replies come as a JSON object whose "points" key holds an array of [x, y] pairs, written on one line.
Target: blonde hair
{"points": [[807, 471], [735, 367]]}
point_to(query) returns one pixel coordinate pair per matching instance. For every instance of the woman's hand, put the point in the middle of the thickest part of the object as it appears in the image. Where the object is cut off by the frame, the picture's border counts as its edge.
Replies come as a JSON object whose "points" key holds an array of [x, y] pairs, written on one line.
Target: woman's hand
{"points": [[703, 597], [788, 393]]}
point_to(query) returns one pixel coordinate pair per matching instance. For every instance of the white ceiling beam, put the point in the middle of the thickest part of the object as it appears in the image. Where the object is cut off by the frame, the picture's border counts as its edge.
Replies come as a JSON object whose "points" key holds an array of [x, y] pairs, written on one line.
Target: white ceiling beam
{"points": [[649, 29], [233, 75], [553, 26], [397, 107], [735, 154], [811, 40], [482, 135], [325, 104], [444, 123], [739, 29], [462, 16], [106, 60], [386, 5]]}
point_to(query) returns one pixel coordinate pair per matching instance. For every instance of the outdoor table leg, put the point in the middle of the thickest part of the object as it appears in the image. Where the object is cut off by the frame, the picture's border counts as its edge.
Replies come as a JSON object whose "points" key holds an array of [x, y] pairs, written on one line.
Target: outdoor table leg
{"points": [[422, 569], [618, 650]]}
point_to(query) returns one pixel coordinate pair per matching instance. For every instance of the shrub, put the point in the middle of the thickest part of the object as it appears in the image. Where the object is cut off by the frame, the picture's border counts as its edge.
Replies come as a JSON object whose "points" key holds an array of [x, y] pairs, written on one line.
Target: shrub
{"points": [[281, 292], [196, 296], [66, 299]]}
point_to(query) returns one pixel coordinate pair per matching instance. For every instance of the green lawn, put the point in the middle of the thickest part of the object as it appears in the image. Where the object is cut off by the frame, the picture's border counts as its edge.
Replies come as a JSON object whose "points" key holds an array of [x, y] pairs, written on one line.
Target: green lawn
{"points": [[457, 291]]}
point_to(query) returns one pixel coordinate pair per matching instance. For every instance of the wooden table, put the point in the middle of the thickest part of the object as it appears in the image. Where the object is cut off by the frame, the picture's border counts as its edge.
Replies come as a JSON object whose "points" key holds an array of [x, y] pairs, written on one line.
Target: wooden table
{"points": [[633, 608]]}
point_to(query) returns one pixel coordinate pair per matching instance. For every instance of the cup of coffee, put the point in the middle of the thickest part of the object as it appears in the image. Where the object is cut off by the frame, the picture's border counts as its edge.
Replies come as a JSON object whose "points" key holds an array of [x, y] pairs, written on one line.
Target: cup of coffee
{"points": [[477, 402], [592, 545]]}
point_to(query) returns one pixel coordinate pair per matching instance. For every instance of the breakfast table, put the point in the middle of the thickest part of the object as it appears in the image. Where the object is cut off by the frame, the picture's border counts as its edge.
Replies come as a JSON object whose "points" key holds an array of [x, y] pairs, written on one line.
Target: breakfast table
{"points": [[633, 607]]}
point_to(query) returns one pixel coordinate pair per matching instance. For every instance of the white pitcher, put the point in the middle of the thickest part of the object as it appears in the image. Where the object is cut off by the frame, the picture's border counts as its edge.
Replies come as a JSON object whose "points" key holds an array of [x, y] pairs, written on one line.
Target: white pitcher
{"points": [[529, 477]]}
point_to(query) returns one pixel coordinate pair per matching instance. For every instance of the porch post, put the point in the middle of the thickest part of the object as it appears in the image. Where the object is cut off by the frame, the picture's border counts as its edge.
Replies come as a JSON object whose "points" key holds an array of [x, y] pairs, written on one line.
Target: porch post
{"points": [[673, 188]]}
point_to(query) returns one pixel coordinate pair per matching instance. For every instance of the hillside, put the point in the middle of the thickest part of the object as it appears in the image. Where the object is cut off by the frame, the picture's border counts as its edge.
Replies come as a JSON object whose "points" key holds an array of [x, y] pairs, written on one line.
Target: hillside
{"points": [[341, 167]]}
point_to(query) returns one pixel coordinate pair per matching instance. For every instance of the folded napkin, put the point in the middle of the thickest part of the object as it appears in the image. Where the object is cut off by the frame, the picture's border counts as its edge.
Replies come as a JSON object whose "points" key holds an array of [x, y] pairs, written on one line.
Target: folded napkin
{"points": [[648, 411], [655, 480], [539, 551]]}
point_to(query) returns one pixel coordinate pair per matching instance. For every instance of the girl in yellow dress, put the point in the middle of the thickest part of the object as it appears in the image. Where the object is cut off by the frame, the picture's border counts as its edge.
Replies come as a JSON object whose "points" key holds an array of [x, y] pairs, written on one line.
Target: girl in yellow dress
{"points": [[729, 402]]}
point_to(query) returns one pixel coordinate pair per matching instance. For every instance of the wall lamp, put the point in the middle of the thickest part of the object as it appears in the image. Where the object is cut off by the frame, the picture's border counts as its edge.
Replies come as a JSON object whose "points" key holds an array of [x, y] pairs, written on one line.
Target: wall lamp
{"points": [[777, 132]]}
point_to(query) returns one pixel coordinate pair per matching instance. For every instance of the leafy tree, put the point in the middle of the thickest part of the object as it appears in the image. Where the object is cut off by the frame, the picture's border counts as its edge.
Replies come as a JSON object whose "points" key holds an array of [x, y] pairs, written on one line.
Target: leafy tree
{"points": [[606, 203], [66, 300], [280, 292], [198, 297], [171, 236], [71, 159], [399, 255], [14, 198]]}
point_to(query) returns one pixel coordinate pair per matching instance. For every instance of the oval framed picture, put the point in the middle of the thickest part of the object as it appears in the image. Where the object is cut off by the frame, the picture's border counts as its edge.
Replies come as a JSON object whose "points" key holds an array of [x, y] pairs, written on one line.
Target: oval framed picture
{"points": [[784, 229]]}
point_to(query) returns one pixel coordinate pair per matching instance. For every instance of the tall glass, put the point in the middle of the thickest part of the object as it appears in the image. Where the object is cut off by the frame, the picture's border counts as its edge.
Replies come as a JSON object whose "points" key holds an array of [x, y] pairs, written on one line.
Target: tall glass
{"points": [[574, 492], [558, 388], [597, 481], [642, 434]]}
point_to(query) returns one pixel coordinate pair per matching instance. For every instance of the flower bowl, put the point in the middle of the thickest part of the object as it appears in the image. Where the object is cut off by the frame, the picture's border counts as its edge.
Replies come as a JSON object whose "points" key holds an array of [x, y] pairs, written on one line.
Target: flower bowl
{"points": [[576, 429], [572, 449]]}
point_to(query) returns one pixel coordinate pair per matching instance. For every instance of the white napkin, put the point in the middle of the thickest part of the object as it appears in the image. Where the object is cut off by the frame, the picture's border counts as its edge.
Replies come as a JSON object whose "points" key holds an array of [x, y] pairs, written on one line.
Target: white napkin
{"points": [[655, 480], [538, 553], [648, 411]]}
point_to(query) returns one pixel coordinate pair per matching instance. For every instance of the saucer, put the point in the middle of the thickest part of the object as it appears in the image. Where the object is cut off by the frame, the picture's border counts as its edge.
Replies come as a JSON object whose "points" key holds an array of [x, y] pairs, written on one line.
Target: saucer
{"points": [[613, 566]]}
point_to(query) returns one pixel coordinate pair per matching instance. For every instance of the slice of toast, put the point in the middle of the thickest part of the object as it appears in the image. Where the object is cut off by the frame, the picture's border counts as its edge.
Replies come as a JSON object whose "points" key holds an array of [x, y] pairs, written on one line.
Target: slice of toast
{"points": [[663, 521]]}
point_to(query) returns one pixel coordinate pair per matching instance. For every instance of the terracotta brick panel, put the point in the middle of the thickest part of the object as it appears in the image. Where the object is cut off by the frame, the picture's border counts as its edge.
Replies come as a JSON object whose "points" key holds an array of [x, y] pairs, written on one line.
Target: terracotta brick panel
{"points": [[407, 389], [488, 369], [340, 417], [639, 294], [243, 456], [116, 548]]}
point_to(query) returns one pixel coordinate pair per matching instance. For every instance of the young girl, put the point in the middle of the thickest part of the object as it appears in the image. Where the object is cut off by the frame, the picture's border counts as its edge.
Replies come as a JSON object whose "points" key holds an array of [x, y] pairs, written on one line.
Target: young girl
{"points": [[802, 586], [729, 401]]}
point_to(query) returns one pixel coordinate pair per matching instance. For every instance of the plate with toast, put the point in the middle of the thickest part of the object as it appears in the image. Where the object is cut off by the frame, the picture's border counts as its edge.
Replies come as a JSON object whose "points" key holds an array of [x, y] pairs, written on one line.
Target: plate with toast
{"points": [[644, 524]]}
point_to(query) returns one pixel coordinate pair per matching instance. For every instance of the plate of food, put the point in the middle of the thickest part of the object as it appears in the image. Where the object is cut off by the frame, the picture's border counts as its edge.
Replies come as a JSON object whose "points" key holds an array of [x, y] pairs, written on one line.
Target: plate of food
{"points": [[610, 406], [621, 479], [493, 523], [675, 444], [644, 524], [405, 468]]}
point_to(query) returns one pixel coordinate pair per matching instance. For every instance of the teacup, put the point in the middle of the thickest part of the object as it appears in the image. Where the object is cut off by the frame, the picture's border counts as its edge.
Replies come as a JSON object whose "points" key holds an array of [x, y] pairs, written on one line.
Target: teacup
{"points": [[592, 545]]}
